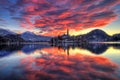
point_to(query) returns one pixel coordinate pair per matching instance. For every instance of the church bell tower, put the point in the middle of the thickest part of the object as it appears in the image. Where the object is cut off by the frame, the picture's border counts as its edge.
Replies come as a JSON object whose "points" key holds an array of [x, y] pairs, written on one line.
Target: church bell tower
{"points": [[67, 32]]}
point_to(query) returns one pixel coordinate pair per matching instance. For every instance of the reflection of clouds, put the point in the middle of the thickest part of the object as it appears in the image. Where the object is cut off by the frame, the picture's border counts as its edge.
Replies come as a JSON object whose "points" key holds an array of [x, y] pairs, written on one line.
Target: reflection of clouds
{"points": [[54, 50], [75, 67]]}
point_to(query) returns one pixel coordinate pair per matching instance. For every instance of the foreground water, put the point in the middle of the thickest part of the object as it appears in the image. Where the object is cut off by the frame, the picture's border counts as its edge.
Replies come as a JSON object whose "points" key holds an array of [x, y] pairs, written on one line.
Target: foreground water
{"points": [[45, 62]]}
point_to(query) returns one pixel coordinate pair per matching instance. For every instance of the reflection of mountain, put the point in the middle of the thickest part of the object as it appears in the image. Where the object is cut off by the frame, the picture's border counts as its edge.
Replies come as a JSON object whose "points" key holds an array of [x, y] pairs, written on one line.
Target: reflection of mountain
{"points": [[32, 47], [28, 49], [116, 46], [95, 35], [94, 48], [8, 49]]}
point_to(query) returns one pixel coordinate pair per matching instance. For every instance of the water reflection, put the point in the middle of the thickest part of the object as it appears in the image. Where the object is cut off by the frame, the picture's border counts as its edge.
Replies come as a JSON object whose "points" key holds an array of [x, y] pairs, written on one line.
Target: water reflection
{"points": [[29, 48], [57, 62], [77, 67]]}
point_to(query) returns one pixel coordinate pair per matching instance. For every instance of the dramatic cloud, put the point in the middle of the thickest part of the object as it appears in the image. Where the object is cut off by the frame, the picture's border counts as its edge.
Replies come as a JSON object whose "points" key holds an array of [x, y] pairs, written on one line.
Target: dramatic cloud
{"points": [[54, 16]]}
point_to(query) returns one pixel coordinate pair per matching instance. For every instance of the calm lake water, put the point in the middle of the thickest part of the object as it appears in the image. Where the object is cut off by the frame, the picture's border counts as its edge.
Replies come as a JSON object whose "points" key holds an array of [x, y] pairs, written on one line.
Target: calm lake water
{"points": [[61, 62]]}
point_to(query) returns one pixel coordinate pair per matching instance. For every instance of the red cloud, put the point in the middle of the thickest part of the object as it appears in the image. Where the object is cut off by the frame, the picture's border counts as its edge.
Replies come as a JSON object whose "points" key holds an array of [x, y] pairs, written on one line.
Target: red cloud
{"points": [[77, 14]]}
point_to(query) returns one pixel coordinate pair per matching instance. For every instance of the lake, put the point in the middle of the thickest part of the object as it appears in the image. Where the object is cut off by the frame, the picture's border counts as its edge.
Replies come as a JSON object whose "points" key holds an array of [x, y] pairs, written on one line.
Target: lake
{"points": [[93, 61]]}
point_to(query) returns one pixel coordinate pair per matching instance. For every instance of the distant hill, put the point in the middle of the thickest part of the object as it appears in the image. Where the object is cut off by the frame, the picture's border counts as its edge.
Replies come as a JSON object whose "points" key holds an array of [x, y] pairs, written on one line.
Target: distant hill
{"points": [[9, 36], [97, 35], [4, 32], [115, 37], [29, 36]]}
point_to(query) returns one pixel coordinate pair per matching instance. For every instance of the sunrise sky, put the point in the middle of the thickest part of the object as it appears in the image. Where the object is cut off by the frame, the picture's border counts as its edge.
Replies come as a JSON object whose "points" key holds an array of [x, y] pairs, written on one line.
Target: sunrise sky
{"points": [[53, 17]]}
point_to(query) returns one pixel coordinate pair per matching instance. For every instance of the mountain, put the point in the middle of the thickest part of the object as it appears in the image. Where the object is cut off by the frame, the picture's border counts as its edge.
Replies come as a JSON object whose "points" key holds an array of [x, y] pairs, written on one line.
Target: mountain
{"points": [[14, 38], [9, 36], [96, 35], [4, 32], [29, 36], [115, 37]]}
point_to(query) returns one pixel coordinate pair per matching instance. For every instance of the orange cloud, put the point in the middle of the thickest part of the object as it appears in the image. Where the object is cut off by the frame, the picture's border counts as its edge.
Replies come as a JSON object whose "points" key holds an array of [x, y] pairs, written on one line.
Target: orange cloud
{"points": [[77, 15]]}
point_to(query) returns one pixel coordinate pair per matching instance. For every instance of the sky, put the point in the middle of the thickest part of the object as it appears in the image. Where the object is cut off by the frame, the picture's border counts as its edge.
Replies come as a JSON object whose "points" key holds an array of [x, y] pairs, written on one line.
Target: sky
{"points": [[54, 17]]}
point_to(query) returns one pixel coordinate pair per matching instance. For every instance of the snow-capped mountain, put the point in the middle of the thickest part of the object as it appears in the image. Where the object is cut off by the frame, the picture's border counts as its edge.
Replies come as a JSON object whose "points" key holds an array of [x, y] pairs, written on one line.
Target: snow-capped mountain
{"points": [[9, 36], [4, 32], [29, 36]]}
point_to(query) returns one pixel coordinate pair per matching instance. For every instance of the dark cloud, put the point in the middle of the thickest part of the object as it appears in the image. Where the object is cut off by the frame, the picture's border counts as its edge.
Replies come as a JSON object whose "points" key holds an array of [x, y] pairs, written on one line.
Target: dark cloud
{"points": [[56, 12], [108, 14], [77, 14]]}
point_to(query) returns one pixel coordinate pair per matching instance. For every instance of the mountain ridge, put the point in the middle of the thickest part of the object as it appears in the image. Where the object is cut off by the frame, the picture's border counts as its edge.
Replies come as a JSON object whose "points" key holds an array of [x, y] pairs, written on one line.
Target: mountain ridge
{"points": [[9, 36], [97, 35], [94, 35], [29, 36]]}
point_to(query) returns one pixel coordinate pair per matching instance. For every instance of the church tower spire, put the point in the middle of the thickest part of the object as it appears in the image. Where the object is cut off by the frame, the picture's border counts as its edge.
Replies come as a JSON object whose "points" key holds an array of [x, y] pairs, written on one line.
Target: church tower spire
{"points": [[67, 32]]}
